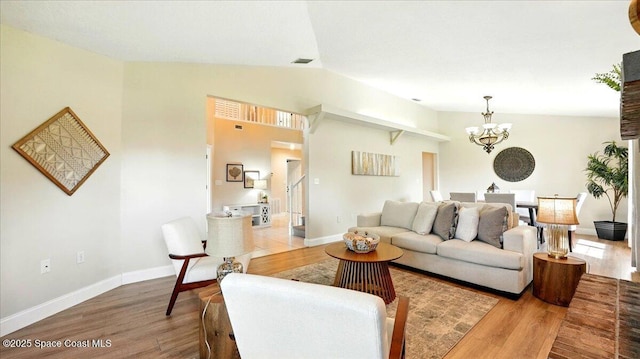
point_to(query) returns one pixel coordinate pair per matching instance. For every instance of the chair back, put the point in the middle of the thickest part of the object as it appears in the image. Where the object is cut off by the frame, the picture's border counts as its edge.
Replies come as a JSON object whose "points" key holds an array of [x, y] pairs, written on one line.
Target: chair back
{"points": [[436, 196], [524, 195], [509, 198], [279, 318], [463, 196], [182, 238]]}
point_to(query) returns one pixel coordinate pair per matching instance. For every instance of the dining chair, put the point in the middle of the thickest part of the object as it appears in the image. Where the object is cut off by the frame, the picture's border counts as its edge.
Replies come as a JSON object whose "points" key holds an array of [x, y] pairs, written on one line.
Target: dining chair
{"points": [[509, 198], [280, 318], [436, 196], [525, 195], [579, 202], [463, 196]]}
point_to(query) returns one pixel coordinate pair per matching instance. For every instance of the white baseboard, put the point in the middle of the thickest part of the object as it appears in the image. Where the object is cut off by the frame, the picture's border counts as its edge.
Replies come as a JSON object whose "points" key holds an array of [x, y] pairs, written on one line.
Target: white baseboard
{"points": [[147, 274], [31, 315], [311, 242]]}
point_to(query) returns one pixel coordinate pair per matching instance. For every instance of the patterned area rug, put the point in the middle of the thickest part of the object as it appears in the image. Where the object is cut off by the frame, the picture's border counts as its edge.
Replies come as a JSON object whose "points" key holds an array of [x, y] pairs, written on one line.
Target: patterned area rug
{"points": [[439, 314]]}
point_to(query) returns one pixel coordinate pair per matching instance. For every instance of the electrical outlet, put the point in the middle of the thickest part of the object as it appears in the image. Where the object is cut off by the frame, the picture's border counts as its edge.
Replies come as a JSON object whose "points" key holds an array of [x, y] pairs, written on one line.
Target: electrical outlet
{"points": [[338, 219], [80, 257], [45, 266]]}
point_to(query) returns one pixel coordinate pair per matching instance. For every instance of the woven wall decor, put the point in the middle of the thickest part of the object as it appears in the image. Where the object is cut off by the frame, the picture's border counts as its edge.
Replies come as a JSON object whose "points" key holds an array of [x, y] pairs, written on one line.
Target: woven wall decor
{"points": [[64, 150], [514, 164]]}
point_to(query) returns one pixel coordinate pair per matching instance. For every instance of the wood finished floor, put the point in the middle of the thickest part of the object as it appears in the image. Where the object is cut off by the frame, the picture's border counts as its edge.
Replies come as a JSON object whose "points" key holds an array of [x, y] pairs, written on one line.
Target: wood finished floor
{"points": [[132, 317]]}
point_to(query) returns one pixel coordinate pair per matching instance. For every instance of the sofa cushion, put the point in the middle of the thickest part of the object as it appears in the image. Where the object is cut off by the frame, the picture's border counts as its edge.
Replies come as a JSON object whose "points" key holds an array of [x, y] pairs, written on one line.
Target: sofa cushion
{"points": [[481, 253], [417, 242], [467, 227], [445, 222], [384, 232], [492, 224], [398, 214], [425, 216]]}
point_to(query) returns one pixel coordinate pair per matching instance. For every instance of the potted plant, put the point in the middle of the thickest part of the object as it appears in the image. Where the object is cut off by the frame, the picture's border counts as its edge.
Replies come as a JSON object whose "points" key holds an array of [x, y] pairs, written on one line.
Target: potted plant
{"points": [[607, 175]]}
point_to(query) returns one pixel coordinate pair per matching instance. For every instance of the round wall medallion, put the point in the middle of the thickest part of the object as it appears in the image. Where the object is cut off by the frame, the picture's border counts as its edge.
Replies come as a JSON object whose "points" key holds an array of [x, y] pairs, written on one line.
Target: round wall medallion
{"points": [[514, 164]]}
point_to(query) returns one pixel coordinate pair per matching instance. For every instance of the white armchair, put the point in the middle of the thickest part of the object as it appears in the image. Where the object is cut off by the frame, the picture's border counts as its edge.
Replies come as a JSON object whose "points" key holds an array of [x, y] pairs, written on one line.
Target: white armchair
{"points": [[194, 268], [279, 318]]}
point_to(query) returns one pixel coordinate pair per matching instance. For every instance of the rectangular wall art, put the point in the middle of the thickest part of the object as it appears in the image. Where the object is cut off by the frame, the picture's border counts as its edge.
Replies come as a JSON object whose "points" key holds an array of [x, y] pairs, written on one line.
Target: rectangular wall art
{"points": [[64, 150], [373, 164]]}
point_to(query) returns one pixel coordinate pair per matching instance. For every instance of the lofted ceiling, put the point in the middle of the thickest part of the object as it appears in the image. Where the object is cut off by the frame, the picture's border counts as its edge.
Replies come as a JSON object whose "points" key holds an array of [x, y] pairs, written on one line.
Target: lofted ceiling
{"points": [[535, 57]]}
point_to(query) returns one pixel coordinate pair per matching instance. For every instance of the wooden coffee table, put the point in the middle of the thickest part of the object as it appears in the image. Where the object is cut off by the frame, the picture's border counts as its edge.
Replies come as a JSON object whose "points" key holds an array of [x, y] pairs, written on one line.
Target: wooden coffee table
{"points": [[365, 272]]}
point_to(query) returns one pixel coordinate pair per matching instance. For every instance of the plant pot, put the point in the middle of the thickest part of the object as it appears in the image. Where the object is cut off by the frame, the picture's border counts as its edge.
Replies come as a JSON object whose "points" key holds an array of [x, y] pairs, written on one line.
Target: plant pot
{"points": [[613, 231]]}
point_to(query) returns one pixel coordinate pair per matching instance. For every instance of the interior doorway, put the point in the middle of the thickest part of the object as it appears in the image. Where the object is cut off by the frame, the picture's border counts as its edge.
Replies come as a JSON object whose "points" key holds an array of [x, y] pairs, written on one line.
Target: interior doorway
{"points": [[429, 174]]}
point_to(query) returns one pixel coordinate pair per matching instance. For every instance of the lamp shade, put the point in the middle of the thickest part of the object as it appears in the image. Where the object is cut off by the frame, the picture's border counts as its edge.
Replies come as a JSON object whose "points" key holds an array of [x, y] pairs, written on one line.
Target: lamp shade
{"points": [[557, 210], [229, 236], [260, 184]]}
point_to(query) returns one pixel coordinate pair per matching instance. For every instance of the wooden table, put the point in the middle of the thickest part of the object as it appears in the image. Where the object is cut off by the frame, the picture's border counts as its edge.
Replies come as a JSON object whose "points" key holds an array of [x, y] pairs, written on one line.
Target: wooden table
{"points": [[215, 328], [366, 272], [555, 280]]}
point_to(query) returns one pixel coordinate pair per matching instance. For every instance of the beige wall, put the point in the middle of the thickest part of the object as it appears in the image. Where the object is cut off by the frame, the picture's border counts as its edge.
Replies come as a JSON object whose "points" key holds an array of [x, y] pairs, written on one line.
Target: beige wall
{"points": [[559, 144], [38, 78]]}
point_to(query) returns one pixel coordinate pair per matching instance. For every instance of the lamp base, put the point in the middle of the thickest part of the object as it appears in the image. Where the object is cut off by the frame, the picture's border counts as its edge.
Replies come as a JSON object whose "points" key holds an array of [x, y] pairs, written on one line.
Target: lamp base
{"points": [[557, 241], [228, 266]]}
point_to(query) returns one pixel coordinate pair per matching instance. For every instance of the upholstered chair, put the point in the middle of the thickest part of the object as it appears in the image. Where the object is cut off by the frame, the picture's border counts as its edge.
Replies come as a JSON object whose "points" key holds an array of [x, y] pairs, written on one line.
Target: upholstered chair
{"points": [[280, 318], [509, 198], [463, 196], [193, 268], [525, 195], [436, 196], [579, 202]]}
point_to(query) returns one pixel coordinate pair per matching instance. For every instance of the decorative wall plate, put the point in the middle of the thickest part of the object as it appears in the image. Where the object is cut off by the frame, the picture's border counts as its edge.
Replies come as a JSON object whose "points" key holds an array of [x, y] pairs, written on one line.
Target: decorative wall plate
{"points": [[514, 164]]}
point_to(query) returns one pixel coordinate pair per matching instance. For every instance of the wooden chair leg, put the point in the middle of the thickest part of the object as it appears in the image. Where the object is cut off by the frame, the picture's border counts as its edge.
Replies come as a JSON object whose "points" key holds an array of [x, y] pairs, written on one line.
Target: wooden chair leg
{"points": [[569, 237], [177, 288]]}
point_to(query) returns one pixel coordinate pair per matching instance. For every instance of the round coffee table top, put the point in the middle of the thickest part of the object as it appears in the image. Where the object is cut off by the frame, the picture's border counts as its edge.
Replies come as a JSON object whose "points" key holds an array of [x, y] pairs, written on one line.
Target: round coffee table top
{"points": [[384, 253]]}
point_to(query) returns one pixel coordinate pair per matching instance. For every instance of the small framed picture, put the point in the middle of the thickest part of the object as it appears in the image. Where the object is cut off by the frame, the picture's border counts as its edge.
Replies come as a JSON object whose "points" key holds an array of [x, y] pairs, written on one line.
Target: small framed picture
{"points": [[234, 172], [249, 177]]}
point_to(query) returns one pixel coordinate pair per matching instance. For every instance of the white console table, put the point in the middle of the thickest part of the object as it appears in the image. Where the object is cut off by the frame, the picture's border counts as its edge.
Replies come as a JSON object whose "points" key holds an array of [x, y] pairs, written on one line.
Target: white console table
{"points": [[260, 212]]}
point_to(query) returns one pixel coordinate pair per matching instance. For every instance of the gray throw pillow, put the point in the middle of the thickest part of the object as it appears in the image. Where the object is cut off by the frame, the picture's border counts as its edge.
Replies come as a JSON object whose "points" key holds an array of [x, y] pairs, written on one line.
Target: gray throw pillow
{"points": [[445, 223], [493, 223]]}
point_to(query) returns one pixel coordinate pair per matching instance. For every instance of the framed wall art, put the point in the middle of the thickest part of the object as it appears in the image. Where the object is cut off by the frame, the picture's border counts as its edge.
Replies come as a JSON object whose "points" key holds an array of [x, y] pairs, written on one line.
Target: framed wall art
{"points": [[249, 177], [234, 172], [64, 150], [373, 164]]}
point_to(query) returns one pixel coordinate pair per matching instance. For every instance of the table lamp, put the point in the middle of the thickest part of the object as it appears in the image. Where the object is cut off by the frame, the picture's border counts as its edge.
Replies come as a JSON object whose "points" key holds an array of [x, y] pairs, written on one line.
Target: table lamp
{"points": [[558, 213], [229, 236]]}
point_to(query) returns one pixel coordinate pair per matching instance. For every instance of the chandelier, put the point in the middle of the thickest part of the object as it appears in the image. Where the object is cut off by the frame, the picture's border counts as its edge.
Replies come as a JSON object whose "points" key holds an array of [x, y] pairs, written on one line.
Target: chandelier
{"points": [[490, 134]]}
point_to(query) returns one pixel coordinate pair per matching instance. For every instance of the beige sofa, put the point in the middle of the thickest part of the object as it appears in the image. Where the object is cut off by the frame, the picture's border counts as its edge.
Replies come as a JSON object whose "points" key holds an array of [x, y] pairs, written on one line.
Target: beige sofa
{"points": [[471, 242]]}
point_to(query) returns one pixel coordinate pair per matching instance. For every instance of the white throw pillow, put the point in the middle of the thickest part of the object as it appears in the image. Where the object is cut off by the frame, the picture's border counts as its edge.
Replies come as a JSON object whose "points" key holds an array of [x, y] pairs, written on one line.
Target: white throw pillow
{"points": [[468, 219], [424, 217]]}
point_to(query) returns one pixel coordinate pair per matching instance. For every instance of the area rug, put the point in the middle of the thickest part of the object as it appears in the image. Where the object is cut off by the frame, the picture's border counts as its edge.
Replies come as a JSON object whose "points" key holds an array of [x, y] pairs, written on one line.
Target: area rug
{"points": [[439, 314]]}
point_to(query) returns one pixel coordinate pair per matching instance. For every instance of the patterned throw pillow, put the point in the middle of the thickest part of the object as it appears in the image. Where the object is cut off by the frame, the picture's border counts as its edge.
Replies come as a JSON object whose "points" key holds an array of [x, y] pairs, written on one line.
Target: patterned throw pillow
{"points": [[493, 223], [468, 219], [445, 222]]}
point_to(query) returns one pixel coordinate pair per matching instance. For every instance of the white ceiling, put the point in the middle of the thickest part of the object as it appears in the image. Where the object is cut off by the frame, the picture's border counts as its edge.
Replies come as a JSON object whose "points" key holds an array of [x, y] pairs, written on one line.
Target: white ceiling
{"points": [[533, 57]]}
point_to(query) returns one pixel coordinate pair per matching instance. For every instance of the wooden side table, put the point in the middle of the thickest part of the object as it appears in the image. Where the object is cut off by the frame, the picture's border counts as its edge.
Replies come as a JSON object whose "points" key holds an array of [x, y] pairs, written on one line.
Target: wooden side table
{"points": [[555, 280], [215, 329]]}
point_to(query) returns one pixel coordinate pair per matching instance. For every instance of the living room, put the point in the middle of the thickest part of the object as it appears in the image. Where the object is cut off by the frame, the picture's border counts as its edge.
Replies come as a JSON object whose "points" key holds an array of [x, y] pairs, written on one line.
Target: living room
{"points": [[151, 116]]}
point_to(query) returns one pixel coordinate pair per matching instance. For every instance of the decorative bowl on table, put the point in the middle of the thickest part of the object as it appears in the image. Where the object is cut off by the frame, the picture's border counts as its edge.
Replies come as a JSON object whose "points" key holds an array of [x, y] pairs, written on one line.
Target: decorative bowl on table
{"points": [[361, 242]]}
